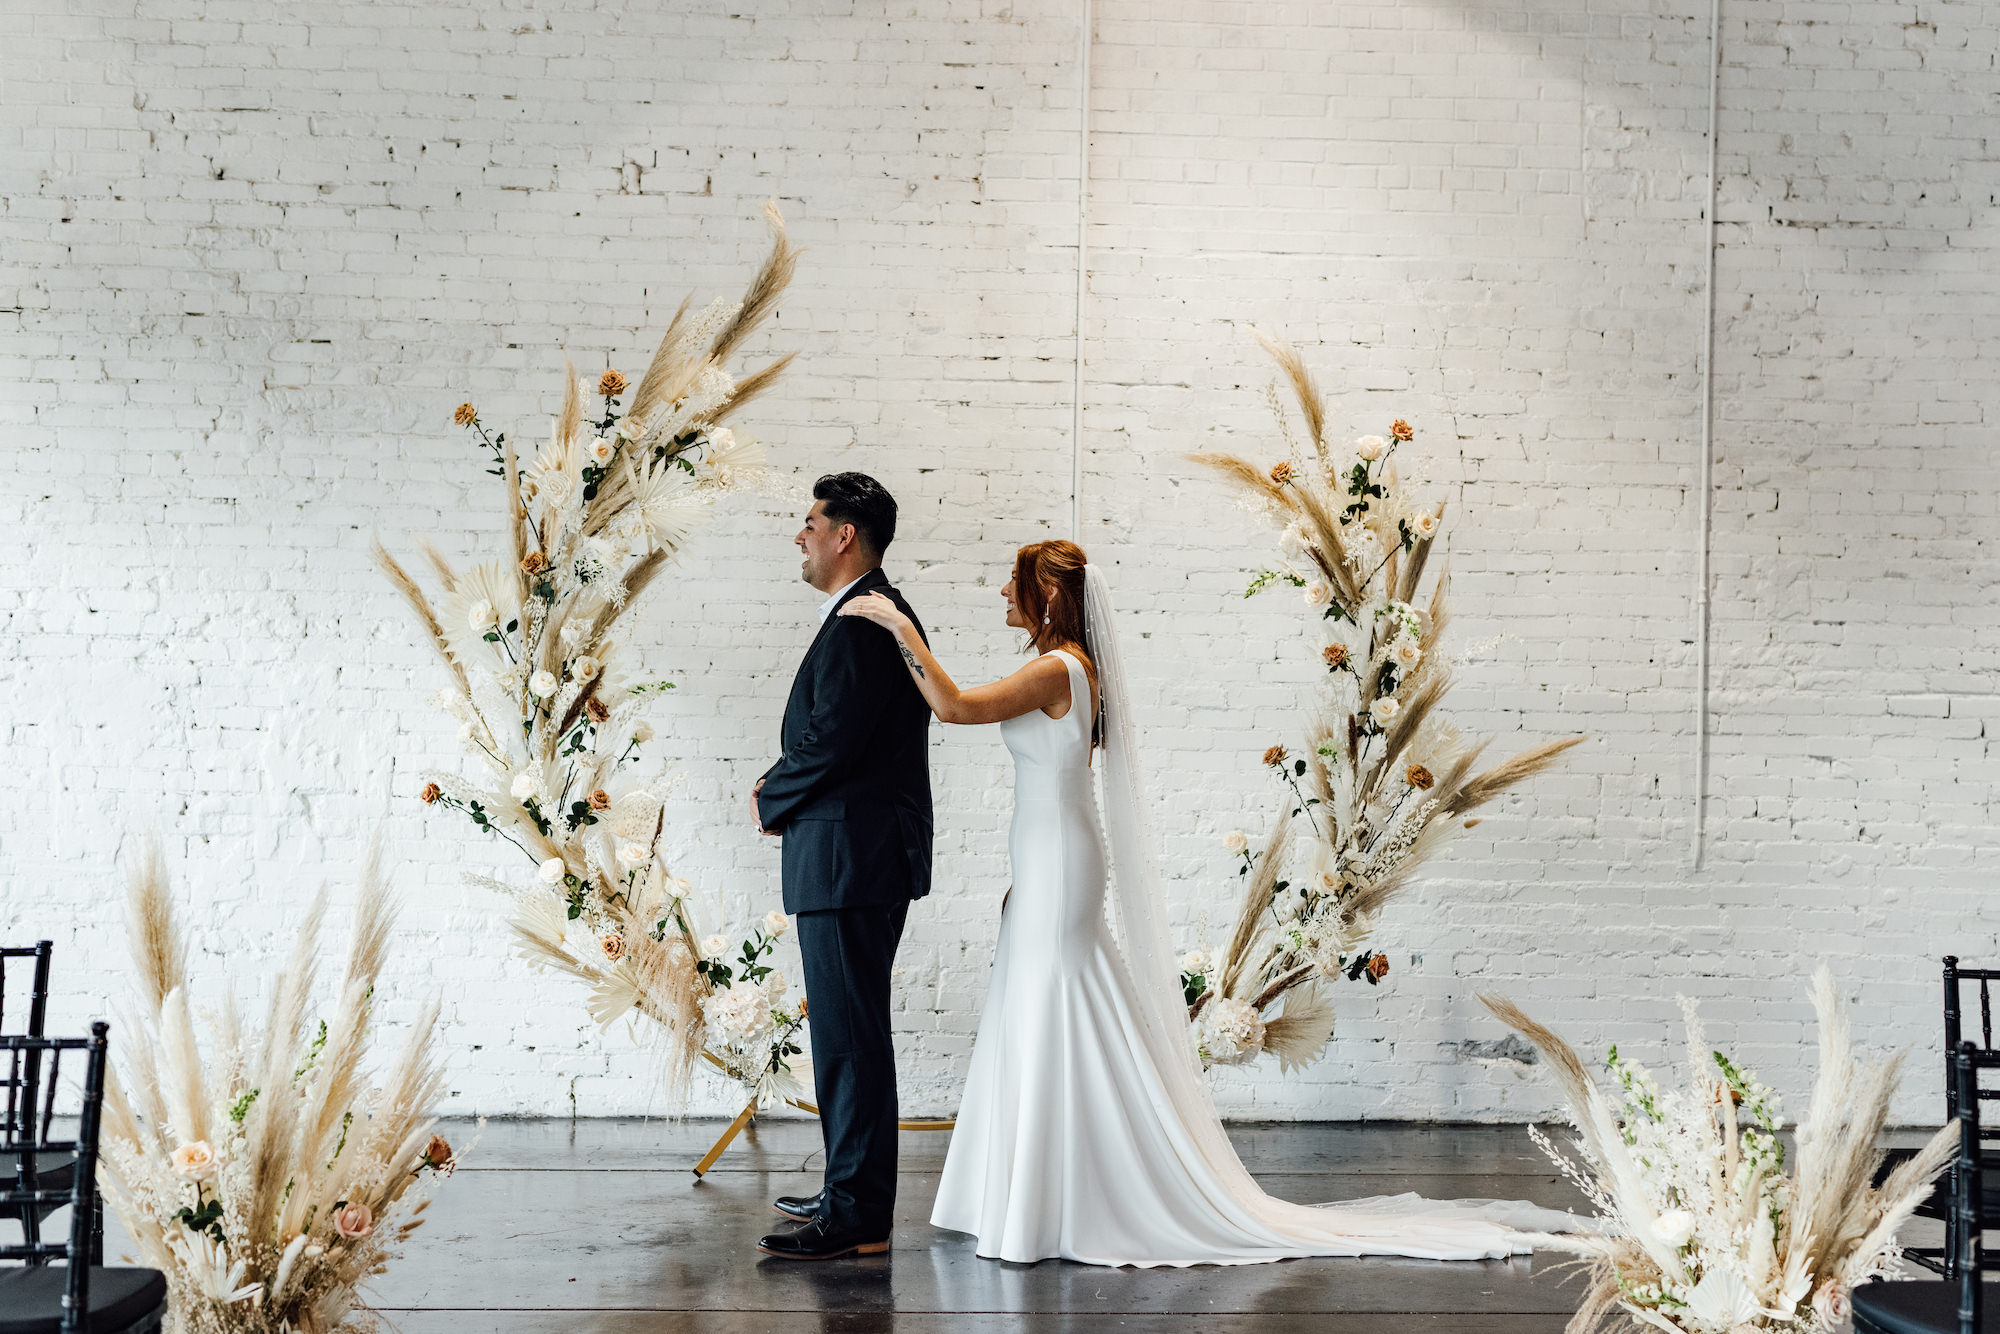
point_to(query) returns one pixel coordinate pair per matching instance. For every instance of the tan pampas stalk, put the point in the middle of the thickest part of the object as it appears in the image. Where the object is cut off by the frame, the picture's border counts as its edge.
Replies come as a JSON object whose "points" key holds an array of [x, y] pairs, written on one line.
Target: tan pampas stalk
{"points": [[1384, 781], [550, 706], [269, 1174], [1703, 1228]]}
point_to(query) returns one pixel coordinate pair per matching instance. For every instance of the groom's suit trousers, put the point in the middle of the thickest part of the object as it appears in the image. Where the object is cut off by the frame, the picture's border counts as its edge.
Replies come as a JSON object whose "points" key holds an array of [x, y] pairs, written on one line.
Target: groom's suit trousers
{"points": [[848, 953]]}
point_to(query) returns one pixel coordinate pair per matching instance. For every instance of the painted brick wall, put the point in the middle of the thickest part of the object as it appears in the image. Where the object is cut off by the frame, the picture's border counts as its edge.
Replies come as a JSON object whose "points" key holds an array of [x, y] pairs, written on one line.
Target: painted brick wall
{"points": [[252, 255]]}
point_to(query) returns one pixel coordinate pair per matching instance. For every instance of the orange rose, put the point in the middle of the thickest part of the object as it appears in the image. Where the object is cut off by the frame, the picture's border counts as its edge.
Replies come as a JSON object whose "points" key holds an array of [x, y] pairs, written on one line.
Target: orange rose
{"points": [[611, 384], [437, 1155], [430, 793], [1335, 655], [466, 414], [1419, 777], [534, 562], [1401, 430], [1378, 966], [596, 711], [600, 800], [1282, 473], [1275, 757]]}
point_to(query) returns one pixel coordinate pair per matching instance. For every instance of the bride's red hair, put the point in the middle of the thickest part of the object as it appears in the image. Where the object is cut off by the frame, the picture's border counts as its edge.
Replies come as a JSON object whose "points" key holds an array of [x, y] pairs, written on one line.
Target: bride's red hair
{"points": [[1048, 588]]}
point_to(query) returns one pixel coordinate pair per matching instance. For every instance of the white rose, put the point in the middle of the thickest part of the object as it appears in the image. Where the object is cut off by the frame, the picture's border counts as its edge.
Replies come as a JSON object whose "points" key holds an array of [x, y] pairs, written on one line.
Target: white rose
{"points": [[524, 786], [1370, 447], [553, 870], [557, 488], [481, 616], [599, 451], [195, 1160], [715, 946], [1408, 655], [776, 924], [1196, 962], [1318, 594], [1383, 709], [1424, 525], [629, 428], [1674, 1227], [634, 855], [543, 684], [572, 633], [721, 438], [642, 731], [1237, 842], [585, 668]]}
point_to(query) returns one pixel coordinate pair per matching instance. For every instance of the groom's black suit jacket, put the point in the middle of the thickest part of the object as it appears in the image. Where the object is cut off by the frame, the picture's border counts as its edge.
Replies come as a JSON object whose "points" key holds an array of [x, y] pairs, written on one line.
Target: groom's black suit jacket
{"points": [[852, 791]]}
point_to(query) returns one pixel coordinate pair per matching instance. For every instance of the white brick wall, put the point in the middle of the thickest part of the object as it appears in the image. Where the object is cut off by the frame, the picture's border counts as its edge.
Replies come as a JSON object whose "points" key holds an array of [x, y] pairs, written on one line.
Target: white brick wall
{"points": [[252, 255]]}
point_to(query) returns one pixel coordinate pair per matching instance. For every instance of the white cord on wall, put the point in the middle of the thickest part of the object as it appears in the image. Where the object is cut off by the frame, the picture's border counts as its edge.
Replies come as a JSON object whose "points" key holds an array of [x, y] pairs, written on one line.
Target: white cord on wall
{"points": [[1705, 500], [1082, 221]]}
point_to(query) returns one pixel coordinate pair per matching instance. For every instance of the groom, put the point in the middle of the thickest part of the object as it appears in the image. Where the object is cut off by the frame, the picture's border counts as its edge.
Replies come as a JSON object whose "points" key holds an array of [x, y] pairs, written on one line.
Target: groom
{"points": [[851, 796]]}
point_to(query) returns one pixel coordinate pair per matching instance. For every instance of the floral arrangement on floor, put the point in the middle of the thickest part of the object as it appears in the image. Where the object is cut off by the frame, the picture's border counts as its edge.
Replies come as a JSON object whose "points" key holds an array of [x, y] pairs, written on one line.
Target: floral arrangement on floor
{"points": [[551, 712], [1382, 780], [1707, 1228], [270, 1178]]}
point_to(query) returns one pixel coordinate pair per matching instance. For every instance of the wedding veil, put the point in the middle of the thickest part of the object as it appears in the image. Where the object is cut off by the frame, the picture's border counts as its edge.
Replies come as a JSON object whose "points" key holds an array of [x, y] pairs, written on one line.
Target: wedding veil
{"points": [[1136, 906]]}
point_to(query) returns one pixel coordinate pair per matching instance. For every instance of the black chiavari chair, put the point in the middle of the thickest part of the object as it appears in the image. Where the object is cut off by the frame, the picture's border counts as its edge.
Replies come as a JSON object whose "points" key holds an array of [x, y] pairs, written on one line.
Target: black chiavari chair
{"points": [[1942, 1259], [30, 1020], [38, 1297], [1955, 1304]]}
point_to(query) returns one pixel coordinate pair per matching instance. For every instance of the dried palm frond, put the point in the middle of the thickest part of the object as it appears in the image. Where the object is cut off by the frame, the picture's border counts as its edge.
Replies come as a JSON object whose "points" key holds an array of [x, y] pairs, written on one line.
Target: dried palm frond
{"points": [[1298, 1036]]}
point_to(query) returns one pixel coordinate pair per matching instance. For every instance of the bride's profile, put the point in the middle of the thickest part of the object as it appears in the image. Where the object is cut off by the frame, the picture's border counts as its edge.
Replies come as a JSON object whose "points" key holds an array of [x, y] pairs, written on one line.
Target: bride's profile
{"points": [[1086, 1130]]}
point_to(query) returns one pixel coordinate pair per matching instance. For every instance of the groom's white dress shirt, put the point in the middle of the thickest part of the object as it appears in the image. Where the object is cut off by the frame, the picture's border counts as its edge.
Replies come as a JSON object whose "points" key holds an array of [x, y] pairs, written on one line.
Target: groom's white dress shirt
{"points": [[826, 607]]}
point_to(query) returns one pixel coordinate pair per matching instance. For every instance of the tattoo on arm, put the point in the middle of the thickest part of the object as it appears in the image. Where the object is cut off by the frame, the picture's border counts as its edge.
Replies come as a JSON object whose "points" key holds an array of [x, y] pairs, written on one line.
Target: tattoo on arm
{"points": [[910, 658]]}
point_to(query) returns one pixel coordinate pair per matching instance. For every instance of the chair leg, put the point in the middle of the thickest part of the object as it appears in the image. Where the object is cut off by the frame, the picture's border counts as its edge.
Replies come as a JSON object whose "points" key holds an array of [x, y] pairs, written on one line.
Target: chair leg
{"points": [[97, 1232]]}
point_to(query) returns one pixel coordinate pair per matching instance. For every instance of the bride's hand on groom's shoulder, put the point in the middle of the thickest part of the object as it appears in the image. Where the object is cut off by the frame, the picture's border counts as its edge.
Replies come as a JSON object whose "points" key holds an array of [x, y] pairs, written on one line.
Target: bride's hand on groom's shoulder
{"points": [[874, 607]]}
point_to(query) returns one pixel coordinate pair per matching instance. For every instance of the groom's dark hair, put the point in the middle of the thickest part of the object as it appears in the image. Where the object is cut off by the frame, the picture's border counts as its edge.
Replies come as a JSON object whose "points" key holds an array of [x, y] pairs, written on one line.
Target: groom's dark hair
{"points": [[857, 498]]}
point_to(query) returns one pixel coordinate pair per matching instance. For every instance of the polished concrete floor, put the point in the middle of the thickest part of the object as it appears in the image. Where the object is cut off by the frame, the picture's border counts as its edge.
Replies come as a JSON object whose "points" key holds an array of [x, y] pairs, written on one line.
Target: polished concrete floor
{"points": [[600, 1227]]}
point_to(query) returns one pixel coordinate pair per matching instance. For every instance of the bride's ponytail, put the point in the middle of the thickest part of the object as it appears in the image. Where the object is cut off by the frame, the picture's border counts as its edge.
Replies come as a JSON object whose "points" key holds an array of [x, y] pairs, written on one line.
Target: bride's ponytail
{"points": [[1048, 588]]}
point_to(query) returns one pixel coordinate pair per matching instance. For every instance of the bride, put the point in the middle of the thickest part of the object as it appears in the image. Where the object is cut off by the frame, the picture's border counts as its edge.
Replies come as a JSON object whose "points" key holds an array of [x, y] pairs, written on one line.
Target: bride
{"points": [[1086, 1130]]}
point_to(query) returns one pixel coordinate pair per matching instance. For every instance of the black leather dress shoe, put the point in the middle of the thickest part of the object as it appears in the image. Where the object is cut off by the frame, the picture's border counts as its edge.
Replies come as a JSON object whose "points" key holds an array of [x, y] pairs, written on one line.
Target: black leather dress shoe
{"points": [[819, 1241], [804, 1208]]}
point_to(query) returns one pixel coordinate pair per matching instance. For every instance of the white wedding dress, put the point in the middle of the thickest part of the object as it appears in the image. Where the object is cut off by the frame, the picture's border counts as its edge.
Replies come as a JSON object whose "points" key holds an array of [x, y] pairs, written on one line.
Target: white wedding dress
{"points": [[1086, 1130]]}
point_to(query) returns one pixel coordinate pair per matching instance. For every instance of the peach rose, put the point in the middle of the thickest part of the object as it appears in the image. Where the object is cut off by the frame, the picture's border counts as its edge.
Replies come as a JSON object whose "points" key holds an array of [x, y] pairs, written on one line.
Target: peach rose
{"points": [[594, 709], [600, 800], [1378, 966], [1282, 473], [195, 1160], [353, 1221], [610, 383], [466, 414], [430, 794]]}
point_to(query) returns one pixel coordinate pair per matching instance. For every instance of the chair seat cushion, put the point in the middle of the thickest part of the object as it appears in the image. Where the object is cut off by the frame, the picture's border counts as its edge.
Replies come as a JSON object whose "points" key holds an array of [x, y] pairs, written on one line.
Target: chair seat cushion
{"points": [[31, 1299], [1927, 1306]]}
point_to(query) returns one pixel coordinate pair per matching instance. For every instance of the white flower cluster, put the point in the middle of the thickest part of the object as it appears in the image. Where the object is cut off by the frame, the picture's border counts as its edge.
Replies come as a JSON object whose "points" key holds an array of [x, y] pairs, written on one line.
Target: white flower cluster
{"points": [[1231, 1032], [741, 1018]]}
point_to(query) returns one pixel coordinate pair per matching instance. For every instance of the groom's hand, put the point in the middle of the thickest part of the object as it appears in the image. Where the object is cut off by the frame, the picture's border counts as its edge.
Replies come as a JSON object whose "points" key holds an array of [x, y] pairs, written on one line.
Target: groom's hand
{"points": [[756, 815]]}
